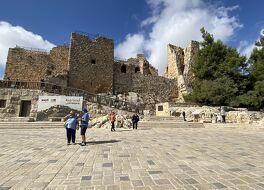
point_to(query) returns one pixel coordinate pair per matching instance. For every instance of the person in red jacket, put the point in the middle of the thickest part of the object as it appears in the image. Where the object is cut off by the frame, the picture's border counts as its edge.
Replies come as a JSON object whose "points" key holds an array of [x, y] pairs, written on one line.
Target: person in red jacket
{"points": [[112, 119]]}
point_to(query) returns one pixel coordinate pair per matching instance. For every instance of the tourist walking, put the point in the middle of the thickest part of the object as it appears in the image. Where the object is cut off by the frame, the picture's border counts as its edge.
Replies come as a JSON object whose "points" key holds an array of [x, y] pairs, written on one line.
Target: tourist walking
{"points": [[71, 124], [135, 120], [223, 114], [183, 114], [112, 119], [84, 125], [219, 118]]}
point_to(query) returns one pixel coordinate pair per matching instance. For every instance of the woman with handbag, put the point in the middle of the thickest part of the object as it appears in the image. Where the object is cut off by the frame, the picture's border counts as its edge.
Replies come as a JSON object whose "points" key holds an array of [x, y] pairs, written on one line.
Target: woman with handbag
{"points": [[71, 124]]}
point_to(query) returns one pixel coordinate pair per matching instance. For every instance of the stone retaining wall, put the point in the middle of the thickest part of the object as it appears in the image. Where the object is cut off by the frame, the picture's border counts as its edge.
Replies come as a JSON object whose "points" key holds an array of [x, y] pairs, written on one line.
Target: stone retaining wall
{"points": [[14, 97], [151, 89], [208, 114]]}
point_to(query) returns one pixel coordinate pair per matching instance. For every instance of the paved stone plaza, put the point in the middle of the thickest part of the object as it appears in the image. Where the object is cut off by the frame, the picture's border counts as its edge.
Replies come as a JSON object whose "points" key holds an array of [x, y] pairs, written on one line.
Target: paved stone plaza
{"points": [[203, 158]]}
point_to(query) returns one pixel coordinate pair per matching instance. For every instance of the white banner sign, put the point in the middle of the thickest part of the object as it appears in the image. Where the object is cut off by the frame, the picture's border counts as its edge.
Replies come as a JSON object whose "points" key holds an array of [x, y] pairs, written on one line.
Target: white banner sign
{"points": [[74, 102]]}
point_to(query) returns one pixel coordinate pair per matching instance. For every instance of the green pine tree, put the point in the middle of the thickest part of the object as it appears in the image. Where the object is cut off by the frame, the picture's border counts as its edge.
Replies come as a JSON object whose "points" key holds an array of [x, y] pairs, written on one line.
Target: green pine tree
{"points": [[254, 98], [218, 73]]}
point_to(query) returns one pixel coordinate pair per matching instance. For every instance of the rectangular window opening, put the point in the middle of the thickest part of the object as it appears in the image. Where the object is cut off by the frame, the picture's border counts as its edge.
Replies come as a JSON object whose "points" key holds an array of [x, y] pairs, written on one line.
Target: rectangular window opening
{"points": [[2, 103], [160, 108]]}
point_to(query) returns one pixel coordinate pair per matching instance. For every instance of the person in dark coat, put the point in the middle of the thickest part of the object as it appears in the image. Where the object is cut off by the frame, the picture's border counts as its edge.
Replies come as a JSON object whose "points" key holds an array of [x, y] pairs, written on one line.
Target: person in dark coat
{"points": [[184, 117], [135, 120], [223, 114]]}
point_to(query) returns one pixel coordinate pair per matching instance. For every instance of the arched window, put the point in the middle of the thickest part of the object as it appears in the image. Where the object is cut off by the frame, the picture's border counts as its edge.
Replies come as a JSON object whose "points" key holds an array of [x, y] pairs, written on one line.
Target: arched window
{"points": [[137, 69], [123, 69]]}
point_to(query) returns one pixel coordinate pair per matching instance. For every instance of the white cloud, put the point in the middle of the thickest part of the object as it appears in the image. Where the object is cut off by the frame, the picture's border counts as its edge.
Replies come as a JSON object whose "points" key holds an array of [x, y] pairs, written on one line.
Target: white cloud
{"points": [[178, 22], [10, 36], [246, 48], [132, 45], [149, 21], [262, 32]]}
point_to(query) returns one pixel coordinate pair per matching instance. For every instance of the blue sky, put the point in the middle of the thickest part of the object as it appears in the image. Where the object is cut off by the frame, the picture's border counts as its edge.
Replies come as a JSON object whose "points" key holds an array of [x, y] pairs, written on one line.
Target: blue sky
{"points": [[54, 20], [135, 25]]}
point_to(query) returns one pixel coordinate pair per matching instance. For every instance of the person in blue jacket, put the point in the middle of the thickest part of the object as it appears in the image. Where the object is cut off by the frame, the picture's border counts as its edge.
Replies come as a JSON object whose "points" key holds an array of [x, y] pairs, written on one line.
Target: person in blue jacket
{"points": [[71, 124], [84, 125]]}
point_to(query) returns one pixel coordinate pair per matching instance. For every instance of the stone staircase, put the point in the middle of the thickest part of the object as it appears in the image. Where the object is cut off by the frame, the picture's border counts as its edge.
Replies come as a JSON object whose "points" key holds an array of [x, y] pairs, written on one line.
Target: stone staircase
{"points": [[168, 122], [164, 118], [17, 119], [31, 125], [160, 123]]}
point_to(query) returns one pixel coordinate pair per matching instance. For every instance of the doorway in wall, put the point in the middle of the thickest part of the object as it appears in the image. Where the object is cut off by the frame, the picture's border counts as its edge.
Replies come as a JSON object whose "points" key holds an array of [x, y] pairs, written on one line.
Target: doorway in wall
{"points": [[25, 108]]}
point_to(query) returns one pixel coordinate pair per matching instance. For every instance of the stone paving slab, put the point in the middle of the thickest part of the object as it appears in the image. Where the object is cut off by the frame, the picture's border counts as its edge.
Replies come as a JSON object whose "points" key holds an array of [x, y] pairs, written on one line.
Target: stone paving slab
{"points": [[149, 159]]}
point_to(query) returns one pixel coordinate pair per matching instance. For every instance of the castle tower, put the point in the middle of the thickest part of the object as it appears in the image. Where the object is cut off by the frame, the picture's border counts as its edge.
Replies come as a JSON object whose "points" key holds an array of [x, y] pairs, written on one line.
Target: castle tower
{"points": [[143, 64], [189, 57], [91, 63], [175, 61], [179, 67]]}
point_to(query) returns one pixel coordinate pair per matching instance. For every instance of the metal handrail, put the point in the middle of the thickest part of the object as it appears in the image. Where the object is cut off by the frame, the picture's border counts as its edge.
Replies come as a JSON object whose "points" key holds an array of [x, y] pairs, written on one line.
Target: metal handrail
{"points": [[33, 49], [119, 59]]}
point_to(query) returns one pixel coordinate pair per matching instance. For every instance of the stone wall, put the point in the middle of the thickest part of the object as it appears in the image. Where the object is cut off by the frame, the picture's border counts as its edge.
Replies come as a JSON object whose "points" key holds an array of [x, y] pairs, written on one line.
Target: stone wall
{"points": [[244, 117], [60, 79], [153, 71], [91, 63], [26, 65], [145, 67], [31, 65], [154, 89], [122, 81], [208, 114], [59, 56], [137, 75], [189, 57], [14, 97], [135, 65], [175, 61], [179, 67], [162, 109], [167, 109], [151, 89]]}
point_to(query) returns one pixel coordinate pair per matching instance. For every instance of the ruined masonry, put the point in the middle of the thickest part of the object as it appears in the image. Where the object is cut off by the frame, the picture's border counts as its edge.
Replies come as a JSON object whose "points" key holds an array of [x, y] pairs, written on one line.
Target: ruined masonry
{"points": [[88, 63], [179, 67]]}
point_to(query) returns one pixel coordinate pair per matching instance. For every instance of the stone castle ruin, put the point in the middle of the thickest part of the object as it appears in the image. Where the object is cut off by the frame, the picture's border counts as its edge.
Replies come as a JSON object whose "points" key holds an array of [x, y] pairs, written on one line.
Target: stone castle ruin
{"points": [[87, 68], [88, 63], [179, 67]]}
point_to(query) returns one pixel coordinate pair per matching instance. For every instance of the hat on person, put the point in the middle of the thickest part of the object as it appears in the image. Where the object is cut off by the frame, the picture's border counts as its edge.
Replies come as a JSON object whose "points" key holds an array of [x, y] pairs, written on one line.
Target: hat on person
{"points": [[85, 110]]}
